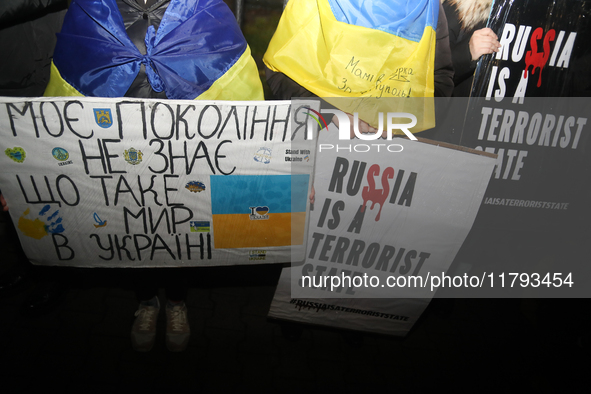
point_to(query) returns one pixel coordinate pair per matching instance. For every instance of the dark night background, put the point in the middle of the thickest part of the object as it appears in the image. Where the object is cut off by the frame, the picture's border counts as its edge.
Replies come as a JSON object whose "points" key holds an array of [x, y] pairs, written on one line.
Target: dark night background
{"points": [[83, 345]]}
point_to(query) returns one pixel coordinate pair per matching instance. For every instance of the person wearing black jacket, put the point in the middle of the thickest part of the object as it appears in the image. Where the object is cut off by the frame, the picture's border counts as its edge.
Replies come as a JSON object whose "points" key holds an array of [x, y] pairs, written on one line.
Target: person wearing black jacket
{"points": [[200, 45], [138, 16], [27, 39], [28, 36], [469, 39]]}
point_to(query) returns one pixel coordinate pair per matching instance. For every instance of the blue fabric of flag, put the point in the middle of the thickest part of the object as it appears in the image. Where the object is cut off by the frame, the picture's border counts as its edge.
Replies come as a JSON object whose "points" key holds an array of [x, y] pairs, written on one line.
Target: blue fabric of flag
{"points": [[403, 18], [196, 43], [235, 194]]}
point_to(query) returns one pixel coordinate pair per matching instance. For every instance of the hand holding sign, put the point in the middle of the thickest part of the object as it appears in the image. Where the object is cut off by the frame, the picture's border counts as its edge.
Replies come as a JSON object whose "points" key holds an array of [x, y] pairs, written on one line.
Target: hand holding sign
{"points": [[483, 42], [363, 127]]}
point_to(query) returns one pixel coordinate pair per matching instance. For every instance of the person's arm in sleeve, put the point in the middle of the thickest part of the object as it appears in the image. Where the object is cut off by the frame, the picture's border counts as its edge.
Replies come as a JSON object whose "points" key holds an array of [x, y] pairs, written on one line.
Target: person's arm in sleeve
{"points": [[17, 11], [444, 70], [459, 42]]}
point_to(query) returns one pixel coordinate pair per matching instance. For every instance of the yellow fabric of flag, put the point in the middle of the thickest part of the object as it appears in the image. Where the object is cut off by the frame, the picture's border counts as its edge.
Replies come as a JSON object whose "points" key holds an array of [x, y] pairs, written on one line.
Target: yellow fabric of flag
{"points": [[240, 82], [332, 58]]}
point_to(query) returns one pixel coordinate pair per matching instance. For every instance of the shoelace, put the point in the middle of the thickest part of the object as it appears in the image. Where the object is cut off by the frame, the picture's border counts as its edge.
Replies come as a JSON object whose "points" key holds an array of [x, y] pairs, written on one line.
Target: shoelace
{"points": [[145, 316], [178, 317]]}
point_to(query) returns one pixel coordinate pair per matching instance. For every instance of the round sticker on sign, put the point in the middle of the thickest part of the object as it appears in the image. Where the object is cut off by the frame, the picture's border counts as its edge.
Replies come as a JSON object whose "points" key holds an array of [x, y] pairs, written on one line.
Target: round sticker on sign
{"points": [[263, 155]]}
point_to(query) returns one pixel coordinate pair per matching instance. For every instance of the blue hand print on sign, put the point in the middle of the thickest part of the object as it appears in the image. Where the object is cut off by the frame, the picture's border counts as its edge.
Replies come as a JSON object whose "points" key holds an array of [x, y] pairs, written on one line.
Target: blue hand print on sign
{"points": [[54, 227], [36, 228]]}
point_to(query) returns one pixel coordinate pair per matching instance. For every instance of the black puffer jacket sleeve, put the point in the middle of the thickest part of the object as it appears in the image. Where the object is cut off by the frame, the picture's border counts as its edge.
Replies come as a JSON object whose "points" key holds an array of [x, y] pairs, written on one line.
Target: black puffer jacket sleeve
{"points": [[13, 12], [444, 70], [27, 38]]}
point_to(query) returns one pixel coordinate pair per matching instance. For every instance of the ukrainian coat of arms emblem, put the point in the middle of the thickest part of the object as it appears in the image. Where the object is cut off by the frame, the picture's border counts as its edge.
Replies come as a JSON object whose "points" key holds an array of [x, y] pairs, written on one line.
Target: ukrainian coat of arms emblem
{"points": [[133, 156], [102, 117]]}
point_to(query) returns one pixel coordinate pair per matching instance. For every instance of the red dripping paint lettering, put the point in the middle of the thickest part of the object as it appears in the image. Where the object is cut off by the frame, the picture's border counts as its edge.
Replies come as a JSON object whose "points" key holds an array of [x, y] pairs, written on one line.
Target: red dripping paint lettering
{"points": [[535, 59], [376, 196]]}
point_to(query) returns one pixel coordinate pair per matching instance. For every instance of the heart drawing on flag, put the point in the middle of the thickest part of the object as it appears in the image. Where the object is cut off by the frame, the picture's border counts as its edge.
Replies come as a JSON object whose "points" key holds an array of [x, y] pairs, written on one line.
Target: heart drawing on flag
{"points": [[262, 210], [17, 154]]}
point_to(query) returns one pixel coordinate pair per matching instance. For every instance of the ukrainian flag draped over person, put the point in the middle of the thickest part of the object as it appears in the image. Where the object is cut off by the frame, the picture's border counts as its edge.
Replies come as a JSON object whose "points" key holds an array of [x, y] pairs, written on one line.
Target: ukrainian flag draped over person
{"points": [[357, 48], [198, 52]]}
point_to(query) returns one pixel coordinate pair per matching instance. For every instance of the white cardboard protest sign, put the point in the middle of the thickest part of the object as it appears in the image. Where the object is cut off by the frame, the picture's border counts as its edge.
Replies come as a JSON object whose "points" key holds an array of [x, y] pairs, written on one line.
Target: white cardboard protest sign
{"points": [[394, 219], [97, 182]]}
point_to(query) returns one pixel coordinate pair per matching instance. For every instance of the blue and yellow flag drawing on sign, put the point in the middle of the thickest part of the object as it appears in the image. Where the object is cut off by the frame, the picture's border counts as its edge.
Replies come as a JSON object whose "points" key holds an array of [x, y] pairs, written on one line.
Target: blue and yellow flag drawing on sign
{"points": [[198, 52], [357, 48], [255, 211]]}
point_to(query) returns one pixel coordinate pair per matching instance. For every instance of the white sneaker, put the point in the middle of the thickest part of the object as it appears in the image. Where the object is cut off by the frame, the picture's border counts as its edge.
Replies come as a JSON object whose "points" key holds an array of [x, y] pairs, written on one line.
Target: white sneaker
{"points": [[143, 331], [177, 327]]}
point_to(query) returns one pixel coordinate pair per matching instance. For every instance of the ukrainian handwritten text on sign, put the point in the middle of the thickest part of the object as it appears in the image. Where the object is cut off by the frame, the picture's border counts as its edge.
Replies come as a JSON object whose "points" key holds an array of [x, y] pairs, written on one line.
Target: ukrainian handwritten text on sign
{"points": [[107, 182]]}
